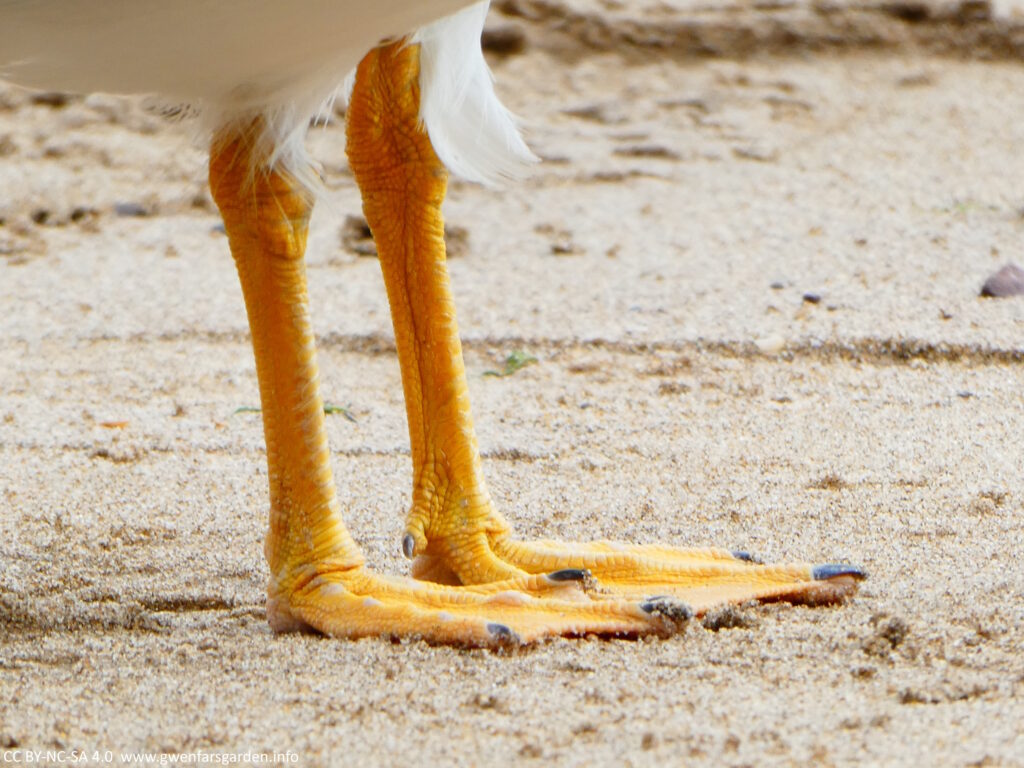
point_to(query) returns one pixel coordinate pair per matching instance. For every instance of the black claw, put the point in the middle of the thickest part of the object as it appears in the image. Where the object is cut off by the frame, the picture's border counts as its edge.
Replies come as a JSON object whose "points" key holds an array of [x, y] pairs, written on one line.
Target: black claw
{"points": [[827, 571], [408, 546], [502, 634], [746, 557], [569, 574], [667, 607]]}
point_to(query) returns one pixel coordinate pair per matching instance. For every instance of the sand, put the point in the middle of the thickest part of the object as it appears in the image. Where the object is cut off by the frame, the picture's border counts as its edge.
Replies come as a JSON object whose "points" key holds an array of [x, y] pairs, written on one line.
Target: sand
{"points": [[663, 266]]}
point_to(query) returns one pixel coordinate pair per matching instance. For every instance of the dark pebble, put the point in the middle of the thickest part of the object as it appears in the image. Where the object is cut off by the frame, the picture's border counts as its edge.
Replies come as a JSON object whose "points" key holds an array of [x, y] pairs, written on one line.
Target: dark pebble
{"points": [[812, 298], [52, 99], [131, 210], [357, 238], [81, 213], [1008, 281], [503, 40]]}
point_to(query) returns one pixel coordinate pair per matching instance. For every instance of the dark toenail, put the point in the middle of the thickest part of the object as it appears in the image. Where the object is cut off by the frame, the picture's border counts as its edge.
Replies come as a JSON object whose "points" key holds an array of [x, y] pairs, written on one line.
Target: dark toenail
{"points": [[502, 633], [746, 557], [408, 546], [569, 574], [667, 607], [828, 571]]}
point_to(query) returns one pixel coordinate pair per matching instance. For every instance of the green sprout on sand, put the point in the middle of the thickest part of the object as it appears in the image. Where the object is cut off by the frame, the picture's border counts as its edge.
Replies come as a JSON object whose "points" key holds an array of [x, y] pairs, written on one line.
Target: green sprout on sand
{"points": [[518, 359], [329, 409], [345, 411]]}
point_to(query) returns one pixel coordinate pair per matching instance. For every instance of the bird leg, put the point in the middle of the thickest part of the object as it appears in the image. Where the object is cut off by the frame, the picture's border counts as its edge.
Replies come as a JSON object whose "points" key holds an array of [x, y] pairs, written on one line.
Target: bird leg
{"points": [[317, 575], [453, 529]]}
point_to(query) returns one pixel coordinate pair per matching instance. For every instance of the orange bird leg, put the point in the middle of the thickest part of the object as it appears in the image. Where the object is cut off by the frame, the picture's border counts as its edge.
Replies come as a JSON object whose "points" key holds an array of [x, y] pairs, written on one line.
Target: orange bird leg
{"points": [[317, 576], [453, 527]]}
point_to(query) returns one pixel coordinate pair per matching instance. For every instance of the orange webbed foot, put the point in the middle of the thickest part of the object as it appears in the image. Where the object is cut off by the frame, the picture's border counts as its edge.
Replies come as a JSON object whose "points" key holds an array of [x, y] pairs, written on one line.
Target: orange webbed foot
{"points": [[701, 578], [356, 602]]}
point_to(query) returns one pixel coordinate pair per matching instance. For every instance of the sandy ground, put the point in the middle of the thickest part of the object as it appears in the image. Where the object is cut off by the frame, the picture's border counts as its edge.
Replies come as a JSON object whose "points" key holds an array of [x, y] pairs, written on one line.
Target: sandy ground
{"points": [[656, 264]]}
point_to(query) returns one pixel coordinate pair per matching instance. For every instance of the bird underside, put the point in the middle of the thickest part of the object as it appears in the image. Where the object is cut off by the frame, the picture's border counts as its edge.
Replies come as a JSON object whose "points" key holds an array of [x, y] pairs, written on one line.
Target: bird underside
{"points": [[474, 583]]}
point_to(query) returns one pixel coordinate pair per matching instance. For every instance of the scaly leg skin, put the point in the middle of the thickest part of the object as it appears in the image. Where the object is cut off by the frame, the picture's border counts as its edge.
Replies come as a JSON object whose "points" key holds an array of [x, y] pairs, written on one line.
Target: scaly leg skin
{"points": [[453, 530], [317, 575]]}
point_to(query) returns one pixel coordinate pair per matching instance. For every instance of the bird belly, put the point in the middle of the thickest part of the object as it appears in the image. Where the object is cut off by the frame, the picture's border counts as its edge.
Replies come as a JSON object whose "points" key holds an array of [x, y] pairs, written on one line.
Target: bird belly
{"points": [[234, 54]]}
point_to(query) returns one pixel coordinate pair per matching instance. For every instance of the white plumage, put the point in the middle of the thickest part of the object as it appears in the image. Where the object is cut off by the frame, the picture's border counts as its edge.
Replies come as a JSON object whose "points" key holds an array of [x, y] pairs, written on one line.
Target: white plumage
{"points": [[235, 59], [472, 132]]}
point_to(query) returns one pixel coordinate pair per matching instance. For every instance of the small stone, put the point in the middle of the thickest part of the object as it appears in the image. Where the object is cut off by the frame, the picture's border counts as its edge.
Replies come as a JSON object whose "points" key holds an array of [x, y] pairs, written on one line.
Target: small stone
{"points": [[911, 11], [52, 99], [503, 39], [812, 298], [131, 210], [1008, 281], [770, 345], [565, 247], [81, 213], [357, 238]]}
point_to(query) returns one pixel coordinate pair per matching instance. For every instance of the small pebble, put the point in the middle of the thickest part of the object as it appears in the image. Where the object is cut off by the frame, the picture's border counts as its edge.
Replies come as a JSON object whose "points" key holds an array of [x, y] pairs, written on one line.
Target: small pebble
{"points": [[565, 248], [127, 210], [503, 40], [770, 345], [53, 99], [812, 298], [1008, 281]]}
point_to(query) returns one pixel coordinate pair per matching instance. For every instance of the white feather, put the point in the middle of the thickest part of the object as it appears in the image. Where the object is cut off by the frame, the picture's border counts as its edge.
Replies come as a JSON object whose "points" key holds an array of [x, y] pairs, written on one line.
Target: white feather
{"points": [[238, 59], [471, 131]]}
